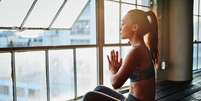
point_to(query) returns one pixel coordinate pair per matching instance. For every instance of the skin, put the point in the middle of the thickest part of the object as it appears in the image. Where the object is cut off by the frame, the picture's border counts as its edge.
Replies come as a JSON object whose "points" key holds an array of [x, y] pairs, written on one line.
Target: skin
{"points": [[138, 57]]}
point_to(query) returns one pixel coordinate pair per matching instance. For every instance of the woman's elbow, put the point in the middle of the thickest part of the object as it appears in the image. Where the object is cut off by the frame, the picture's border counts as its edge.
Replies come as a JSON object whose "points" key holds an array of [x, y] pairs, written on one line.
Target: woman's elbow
{"points": [[116, 84]]}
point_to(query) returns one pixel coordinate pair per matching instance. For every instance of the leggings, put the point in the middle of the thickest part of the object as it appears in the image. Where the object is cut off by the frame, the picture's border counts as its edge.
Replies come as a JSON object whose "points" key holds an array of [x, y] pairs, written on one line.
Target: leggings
{"points": [[102, 93]]}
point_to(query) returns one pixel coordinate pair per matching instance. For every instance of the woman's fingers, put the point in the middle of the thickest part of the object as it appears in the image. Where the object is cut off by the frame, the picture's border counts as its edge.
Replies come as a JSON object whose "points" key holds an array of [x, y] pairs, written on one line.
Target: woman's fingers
{"points": [[120, 61], [108, 58], [116, 56]]}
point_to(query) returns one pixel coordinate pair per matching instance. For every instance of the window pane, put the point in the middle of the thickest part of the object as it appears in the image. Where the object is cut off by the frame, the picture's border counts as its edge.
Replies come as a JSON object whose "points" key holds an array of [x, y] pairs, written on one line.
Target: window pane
{"points": [[43, 14], [199, 56], [199, 34], [195, 30], [13, 11], [129, 1], [143, 2], [106, 72], [125, 8], [195, 7], [112, 22], [195, 57], [5, 77], [30, 76], [70, 13], [199, 7], [86, 61], [62, 85]]}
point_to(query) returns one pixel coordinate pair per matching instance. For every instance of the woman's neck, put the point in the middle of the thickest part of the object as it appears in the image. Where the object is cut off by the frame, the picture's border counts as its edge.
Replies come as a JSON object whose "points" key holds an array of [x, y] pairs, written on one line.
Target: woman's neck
{"points": [[135, 42]]}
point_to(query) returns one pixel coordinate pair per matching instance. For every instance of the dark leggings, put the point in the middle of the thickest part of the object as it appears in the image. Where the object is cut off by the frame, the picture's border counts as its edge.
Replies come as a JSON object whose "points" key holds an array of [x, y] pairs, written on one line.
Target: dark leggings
{"points": [[102, 93]]}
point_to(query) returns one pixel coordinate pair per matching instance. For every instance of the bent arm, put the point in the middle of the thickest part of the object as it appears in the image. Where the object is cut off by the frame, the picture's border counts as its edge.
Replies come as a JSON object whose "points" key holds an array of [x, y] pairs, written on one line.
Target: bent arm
{"points": [[128, 66]]}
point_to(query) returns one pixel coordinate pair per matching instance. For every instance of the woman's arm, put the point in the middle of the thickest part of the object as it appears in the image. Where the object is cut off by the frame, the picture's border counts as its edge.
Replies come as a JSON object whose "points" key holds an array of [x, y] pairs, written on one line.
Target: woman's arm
{"points": [[120, 74]]}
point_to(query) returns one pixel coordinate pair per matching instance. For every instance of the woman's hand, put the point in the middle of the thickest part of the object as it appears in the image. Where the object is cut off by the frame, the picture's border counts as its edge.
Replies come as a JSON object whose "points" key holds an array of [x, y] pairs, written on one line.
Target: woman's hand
{"points": [[114, 62]]}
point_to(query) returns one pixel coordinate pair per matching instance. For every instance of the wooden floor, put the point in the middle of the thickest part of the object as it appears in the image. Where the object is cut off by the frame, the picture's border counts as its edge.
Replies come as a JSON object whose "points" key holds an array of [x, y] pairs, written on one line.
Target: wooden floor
{"points": [[177, 91], [180, 91]]}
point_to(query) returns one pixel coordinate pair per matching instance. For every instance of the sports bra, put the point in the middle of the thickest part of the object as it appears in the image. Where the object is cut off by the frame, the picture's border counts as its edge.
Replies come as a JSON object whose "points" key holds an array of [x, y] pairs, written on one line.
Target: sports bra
{"points": [[138, 75]]}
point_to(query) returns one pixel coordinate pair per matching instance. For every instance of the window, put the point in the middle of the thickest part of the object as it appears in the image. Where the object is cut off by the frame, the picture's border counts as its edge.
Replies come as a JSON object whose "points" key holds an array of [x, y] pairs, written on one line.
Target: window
{"points": [[30, 73], [197, 35], [61, 69], [4, 90], [5, 77]]}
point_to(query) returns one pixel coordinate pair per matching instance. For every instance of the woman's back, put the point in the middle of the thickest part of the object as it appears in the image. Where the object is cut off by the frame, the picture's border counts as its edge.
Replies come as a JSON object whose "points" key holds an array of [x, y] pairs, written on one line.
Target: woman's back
{"points": [[144, 89]]}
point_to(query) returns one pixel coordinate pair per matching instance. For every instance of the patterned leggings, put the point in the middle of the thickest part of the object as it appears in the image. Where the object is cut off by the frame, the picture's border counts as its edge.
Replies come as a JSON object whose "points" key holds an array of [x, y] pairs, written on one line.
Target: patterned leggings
{"points": [[102, 93]]}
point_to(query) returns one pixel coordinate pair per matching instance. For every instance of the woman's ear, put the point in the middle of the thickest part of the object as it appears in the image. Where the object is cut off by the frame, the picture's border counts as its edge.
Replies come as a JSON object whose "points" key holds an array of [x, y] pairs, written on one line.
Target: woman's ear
{"points": [[135, 27]]}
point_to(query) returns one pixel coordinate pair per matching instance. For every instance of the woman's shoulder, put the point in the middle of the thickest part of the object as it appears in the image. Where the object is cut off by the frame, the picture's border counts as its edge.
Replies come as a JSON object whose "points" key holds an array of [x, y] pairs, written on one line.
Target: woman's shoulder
{"points": [[137, 50]]}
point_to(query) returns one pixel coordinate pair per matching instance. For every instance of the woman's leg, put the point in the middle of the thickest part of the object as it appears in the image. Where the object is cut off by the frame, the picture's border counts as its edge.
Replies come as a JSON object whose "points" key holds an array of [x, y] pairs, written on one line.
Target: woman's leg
{"points": [[109, 92], [98, 96]]}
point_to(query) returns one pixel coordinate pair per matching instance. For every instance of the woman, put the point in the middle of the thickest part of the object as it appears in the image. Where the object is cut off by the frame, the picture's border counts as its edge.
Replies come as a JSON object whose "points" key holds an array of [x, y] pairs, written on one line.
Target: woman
{"points": [[141, 29]]}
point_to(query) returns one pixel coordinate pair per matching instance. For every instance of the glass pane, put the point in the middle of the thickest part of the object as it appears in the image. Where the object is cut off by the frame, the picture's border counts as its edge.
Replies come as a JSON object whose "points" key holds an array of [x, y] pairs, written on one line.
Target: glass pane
{"points": [[199, 56], [86, 70], [199, 7], [31, 76], [143, 8], [143, 2], [62, 85], [129, 1], [195, 61], [125, 8], [5, 77], [106, 72], [195, 28], [13, 11], [43, 14], [30, 38], [70, 13], [195, 7], [112, 22], [199, 34]]}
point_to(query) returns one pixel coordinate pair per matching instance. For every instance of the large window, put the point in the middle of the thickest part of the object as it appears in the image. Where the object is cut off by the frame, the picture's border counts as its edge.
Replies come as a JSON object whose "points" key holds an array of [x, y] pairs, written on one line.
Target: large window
{"points": [[197, 35], [52, 52]]}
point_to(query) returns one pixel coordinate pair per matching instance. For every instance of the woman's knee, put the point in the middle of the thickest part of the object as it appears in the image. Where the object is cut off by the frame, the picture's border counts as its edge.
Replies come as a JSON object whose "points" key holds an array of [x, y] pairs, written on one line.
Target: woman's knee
{"points": [[101, 88]]}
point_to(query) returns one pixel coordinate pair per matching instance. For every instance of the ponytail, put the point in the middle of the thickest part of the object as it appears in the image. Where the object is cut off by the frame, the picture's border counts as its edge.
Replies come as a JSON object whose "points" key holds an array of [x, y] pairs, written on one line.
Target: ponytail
{"points": [[149, 27], [153, 37]]}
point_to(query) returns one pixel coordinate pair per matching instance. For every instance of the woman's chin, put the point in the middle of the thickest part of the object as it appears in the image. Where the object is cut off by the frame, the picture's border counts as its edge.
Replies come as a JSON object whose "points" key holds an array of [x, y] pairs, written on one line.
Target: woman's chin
{"points": [[123, 37]]}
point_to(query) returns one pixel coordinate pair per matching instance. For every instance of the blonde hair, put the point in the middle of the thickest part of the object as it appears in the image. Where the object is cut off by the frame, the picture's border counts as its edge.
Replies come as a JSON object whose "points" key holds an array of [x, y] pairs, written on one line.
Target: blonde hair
{"points": [[147, 22]]}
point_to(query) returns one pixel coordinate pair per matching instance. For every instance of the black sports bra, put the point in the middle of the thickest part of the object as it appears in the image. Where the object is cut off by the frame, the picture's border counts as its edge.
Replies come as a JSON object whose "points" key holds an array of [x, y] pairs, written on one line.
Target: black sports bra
{"points": [[138, 75]]}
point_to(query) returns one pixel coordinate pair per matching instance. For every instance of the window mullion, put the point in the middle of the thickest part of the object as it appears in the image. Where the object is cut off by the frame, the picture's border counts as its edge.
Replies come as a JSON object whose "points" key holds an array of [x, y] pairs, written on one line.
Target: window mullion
{"points": [[100, 37], [75, 72], [47, 74], [13, 75]]}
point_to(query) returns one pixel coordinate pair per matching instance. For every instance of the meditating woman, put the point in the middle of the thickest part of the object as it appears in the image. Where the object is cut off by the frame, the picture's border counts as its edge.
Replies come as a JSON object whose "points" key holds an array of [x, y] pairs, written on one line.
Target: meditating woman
{"points": [[141, 29]]}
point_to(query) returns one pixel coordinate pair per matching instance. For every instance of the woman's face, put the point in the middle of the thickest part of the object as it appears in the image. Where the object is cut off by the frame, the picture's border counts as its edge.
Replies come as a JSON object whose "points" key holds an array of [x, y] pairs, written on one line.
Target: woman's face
{"points": [[126, 27]]}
